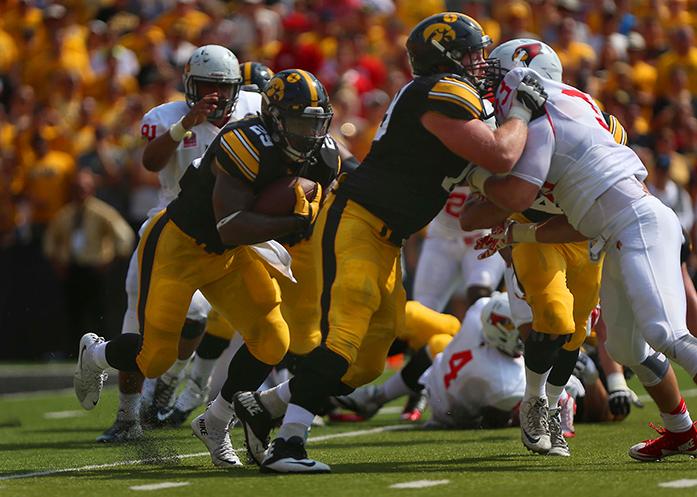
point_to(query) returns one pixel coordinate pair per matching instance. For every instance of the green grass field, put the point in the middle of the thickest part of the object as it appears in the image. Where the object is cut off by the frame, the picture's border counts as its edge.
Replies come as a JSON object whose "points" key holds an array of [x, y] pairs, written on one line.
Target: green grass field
{"points": [[38, 435]]}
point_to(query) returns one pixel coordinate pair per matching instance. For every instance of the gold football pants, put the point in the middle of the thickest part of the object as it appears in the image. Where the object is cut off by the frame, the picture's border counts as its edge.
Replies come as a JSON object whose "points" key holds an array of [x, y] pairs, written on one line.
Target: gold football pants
{"points": [[561, 285], [362, 298], [236, 283], [423, 323]]}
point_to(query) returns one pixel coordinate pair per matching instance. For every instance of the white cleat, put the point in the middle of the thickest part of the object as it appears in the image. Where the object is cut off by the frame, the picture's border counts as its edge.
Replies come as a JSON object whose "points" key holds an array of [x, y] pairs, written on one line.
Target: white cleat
{"points": [[363, 401], [217, 441], [88, 378], [534, 427], [290, 456], [556, 435]]}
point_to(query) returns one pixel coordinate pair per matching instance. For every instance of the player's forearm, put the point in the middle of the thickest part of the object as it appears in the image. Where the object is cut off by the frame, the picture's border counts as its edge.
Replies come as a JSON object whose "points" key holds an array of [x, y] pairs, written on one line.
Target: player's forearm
{"points": [[509, 193], [248, 228], [482, 214], [558, 230], [158, 152]]}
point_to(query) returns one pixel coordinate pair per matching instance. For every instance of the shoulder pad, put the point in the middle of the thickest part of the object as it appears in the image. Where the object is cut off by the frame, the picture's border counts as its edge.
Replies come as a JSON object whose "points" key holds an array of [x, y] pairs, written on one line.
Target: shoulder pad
{"points": [[329, 154], [239, 152], [454, 91]]}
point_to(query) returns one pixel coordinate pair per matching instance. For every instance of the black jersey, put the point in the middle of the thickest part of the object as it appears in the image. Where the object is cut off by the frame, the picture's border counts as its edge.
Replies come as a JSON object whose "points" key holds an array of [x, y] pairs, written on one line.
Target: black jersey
{"points": [[242, 149], [408, 174]]}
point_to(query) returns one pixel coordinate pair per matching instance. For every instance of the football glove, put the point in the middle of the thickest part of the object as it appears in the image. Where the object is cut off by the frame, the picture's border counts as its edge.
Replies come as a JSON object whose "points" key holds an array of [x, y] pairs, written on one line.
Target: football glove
{"points": [[585, 369], [493, 242], [306, 213], [619, 395], [530, 99]]}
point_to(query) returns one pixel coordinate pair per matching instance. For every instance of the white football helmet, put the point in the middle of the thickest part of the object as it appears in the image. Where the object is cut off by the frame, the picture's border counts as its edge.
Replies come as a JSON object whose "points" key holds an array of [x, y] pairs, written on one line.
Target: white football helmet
{"points": [[216, 64], [498, 328], [525, 52]]}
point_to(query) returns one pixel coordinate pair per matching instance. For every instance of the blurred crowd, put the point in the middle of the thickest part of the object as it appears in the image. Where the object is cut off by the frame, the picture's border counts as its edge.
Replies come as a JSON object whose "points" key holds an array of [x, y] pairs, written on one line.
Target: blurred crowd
{"points": [[76, 76]]}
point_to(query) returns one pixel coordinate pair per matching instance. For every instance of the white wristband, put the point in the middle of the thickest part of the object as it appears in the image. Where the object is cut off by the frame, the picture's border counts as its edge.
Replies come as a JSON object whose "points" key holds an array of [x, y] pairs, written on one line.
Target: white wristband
{"points": [[616, 381], [524, 233], [519, 111], [478, 178], [178, 132]]}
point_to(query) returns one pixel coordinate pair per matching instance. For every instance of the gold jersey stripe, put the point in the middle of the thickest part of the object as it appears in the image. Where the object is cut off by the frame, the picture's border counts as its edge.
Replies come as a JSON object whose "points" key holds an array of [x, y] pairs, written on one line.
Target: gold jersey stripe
{"points": [[461, 84], [310, 84], [248, 73], [457, 101], [248, 143], [458, 92], [240, 155], [618, 132]]}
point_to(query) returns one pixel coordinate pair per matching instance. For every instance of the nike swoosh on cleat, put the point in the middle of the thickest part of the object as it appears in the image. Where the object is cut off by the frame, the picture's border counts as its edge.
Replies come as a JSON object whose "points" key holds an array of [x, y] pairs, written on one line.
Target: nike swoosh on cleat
{"points": [[301, 463], [163, 417], [531, 439]]}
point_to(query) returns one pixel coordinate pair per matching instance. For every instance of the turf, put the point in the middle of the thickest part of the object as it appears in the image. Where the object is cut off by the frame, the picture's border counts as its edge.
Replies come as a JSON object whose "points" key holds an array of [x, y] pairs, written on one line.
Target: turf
{"points": [[484, 462]]}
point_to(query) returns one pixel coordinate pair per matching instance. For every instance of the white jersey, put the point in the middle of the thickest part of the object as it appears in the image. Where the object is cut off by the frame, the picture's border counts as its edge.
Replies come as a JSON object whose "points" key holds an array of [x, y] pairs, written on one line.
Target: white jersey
{"points": [[157, 122], [447, 223], [569, 152], [469, 375]]}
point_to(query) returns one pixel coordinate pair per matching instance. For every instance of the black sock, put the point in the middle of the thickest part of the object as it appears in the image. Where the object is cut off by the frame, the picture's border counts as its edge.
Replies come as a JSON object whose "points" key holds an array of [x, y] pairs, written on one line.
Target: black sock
{"points": [[563, 367], [211, 347], [317, 378], [413, 370], [245, 372], [121, 352], [541, 350]]}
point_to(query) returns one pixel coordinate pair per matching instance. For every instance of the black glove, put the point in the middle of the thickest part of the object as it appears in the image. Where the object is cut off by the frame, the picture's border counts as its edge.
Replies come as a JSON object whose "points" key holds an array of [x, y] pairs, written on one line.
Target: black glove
{"points": [[620, 402], [530, 99]]}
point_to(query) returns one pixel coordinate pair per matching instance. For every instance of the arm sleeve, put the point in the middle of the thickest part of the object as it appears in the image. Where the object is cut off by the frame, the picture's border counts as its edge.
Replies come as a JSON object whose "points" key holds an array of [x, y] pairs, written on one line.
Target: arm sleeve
{"points": [[533, 165], [455, 98], [238, 155]]}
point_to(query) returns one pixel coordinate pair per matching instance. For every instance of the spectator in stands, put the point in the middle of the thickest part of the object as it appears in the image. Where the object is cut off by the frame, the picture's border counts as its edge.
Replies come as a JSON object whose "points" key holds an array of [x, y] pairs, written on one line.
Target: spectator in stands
{"points": [[82, 241], [670, 193]]}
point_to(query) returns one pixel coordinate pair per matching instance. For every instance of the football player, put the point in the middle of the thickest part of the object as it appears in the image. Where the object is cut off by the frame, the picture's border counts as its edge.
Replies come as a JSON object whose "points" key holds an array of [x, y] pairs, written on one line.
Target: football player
{"points": [[599, 186], [430, 132], [176, 134], [561, 283], [209, 238], [255, 77]]}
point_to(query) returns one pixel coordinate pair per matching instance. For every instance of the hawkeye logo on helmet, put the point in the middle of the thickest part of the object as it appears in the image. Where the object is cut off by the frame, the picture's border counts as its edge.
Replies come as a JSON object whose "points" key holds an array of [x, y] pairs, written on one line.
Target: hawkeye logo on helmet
{"points": [[276, 89], [439, 32], [293, 77], [525, 53]]}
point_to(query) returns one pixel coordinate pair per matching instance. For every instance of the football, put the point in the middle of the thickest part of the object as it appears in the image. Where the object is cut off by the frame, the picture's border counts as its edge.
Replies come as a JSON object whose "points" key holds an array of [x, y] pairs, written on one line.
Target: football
{"points": [[278, 198]]}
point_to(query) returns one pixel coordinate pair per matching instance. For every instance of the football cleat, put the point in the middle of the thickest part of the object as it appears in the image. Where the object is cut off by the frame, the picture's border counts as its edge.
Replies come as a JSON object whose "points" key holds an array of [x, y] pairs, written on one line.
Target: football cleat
{"points": [[192, 397], [667, 444], [534, 427], [256, 422], [290, 456], [123, 430], [217, 441], [415, 407], [362, 401], [559, 447], [88, 378], [568, 411]]}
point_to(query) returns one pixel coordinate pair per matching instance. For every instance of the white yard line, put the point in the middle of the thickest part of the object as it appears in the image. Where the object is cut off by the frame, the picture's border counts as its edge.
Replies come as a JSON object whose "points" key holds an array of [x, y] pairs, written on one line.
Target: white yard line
{"points": [[692, 392], [64, 414], [160, 486], [91, 467], [678, 484], [420, 484]]}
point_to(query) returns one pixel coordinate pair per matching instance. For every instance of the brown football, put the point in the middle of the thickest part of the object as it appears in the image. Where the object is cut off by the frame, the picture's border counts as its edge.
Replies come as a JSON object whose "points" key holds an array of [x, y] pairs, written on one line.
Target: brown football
{"points": [[278, 197]]}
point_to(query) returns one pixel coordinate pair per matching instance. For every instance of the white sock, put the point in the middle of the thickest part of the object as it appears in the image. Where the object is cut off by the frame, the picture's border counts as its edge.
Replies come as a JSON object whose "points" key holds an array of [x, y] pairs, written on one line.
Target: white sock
{"points": [[98, 355], [553, 395], [678, 420], [296, 422], [276, 399], [129, 406], [393, 388], [201, 370], [535, 384], [173, 374], [220, 413]]}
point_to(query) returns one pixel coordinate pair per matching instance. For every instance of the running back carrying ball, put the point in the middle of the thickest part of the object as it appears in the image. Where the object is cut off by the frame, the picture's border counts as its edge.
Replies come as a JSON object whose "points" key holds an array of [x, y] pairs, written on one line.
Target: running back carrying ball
{"points": [[278, 198]]}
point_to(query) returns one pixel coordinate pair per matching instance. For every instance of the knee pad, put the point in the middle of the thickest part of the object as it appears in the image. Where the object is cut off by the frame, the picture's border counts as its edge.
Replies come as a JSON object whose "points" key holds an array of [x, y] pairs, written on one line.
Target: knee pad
{"points": [[684, 352], [157, 354], [437, 344], [211, 347], [552, 315], [270, 339], [193, 329], [652, 370]]}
